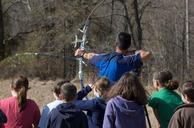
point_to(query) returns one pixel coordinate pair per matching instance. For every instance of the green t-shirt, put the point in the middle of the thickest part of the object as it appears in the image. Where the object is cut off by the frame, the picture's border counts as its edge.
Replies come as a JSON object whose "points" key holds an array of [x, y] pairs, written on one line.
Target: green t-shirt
{"points": [[165, 102]]}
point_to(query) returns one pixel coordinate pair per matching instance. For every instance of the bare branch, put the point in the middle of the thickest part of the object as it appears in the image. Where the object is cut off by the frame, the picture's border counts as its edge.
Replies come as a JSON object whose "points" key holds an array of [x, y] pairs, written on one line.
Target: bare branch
{"points": [[143, 8], [27, 3]]}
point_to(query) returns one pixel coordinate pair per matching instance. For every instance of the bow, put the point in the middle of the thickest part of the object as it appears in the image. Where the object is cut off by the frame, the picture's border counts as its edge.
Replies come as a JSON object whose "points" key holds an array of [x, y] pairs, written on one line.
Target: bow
{"points": [[84, 41]]}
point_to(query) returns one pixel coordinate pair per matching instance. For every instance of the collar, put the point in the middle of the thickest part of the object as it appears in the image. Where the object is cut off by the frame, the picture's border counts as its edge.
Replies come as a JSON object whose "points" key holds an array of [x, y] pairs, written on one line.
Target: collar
{"points": [[190, 105]]}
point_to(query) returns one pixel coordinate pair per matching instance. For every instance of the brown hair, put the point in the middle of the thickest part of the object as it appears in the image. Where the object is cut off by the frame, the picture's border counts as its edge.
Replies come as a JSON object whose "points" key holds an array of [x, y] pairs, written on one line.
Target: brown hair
{"points": [[165, 78], [188, 89], [57, 88], [103, 85], [21, 85], [69, 91], [129, 87]]}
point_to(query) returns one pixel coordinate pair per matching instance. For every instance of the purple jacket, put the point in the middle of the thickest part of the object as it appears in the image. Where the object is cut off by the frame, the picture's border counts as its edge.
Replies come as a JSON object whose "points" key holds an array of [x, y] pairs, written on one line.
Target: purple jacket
{"points": [[121, 113]]}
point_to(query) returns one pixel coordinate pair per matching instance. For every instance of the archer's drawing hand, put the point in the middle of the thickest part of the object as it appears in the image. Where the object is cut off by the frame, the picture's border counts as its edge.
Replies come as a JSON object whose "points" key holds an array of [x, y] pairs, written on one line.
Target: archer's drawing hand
{"points": [[79, 52], [86, 55]]}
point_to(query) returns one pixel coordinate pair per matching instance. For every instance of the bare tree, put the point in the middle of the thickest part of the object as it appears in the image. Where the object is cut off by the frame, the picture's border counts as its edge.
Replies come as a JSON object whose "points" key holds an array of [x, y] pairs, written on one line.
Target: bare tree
{"points": [[187, 41], [138, 23], [2, 46]]}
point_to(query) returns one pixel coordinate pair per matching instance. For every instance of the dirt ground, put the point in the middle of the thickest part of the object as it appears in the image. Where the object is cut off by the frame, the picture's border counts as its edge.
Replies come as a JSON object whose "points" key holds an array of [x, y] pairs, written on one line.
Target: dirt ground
{"points": [[41, 93]]}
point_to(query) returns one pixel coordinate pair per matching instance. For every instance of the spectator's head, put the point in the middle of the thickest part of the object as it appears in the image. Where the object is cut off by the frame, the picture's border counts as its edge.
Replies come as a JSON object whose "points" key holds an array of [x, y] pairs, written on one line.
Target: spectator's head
{"points": [[187, 92], [57, 89], [129, 87], [164, 79], [101, 87], [68, 92], [19, 88], [123, 41]]}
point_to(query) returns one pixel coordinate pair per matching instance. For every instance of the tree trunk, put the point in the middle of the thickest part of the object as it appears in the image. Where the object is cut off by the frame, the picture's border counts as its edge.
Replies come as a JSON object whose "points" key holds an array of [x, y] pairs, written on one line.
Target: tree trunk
{"points": [[187, 33], [2, 45], [138, 23], [128, 21], [111, 18]]}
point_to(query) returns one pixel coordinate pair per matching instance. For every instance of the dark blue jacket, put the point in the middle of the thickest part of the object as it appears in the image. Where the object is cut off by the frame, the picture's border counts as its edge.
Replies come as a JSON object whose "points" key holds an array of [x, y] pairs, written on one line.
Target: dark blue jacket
{"points": [[95, 108], [3, 118], [67, 116], [84, 92]]}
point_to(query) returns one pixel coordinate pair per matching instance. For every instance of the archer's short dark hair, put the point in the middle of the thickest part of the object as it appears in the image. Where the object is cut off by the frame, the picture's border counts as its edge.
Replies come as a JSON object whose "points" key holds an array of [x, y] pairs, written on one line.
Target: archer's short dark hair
{"points": [[123, 40], [69, 91]]}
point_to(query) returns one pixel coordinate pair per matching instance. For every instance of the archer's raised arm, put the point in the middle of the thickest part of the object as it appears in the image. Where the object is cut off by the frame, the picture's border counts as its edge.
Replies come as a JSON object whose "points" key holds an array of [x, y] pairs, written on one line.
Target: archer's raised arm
{"points": [[145, 55], [81, 53]]}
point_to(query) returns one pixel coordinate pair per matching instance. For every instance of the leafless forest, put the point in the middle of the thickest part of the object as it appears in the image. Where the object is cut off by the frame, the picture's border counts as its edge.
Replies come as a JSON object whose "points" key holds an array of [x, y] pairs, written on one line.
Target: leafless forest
{"points": [[48, 27]]}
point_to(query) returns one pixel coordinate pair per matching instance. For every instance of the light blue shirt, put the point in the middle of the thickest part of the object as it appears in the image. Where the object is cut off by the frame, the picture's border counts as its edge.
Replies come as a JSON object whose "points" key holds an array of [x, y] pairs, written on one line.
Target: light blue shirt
{"points": [[45, 112]]}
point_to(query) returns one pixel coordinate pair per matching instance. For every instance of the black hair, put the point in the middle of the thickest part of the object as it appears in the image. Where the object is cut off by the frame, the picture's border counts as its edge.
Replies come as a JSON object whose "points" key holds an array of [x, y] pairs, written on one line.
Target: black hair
{"points": [[123, 40]]}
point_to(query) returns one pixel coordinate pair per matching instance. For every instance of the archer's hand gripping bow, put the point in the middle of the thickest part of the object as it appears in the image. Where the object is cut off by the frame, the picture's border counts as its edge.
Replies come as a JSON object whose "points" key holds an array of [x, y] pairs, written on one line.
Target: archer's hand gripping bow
{"points": [[82, 42]]}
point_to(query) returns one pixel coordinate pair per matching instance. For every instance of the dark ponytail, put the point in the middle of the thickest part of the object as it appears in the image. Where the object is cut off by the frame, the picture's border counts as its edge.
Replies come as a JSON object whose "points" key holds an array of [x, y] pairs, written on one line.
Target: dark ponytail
{"points": [[22, 98], [21, 86], [172, 85], [166, 80]]}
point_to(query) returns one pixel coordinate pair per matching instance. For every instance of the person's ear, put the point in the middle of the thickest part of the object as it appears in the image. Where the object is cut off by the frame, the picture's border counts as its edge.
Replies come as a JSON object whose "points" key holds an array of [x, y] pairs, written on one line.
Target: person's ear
{"points": [[157, 83], [99, 92], [11, 87], [185, 98], [55, 95], [61, 96], [95, 89]]}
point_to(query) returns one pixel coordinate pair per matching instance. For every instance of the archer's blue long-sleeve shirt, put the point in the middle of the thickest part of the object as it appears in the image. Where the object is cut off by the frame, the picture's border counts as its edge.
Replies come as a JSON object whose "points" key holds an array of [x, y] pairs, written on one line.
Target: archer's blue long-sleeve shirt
{"points": [[114, 65]]}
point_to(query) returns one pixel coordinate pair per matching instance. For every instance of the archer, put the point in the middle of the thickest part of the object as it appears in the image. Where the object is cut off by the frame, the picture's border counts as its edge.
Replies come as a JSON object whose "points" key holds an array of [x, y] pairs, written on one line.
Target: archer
{"points": [[113, 65]]}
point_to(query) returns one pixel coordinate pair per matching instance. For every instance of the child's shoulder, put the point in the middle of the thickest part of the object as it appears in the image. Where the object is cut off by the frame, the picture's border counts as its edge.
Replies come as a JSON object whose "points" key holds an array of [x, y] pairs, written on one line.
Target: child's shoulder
{"points": [[114, 100], [185, 109], [32, 103], [162, 92], [8, 100], [54, 104], [155, 94]]}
